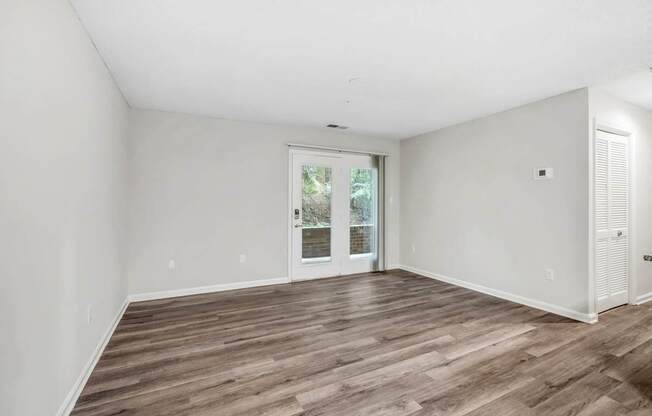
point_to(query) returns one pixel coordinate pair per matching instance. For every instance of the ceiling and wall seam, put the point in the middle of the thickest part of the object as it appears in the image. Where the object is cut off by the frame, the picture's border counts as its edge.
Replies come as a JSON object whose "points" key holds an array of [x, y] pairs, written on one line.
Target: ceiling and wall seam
{"points": [[99, 54]]}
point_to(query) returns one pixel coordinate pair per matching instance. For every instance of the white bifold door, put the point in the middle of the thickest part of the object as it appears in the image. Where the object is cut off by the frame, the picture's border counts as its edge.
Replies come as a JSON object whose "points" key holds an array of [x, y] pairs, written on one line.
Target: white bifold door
{"points": [[611, 204], [333, 214]]}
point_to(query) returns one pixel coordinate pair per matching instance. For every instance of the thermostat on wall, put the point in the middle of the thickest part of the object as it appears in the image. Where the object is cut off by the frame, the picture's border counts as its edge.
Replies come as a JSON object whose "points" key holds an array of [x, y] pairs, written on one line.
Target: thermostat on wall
{"points": [[543, 173]]}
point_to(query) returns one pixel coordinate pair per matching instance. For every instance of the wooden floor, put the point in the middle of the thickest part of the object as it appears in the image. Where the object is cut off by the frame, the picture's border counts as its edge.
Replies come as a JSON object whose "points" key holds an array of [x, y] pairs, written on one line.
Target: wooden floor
{"points": [[384, 344]]}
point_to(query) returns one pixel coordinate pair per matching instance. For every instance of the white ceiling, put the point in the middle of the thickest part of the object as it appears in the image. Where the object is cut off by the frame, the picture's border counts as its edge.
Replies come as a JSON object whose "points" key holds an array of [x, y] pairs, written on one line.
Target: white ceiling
{"points": [[636, 88], [391, 68]]}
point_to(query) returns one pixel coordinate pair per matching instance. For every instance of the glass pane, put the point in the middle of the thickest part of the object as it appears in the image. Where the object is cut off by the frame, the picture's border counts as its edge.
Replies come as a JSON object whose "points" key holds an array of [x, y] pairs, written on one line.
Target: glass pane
{"points": [[361, 235], [316, 211]]}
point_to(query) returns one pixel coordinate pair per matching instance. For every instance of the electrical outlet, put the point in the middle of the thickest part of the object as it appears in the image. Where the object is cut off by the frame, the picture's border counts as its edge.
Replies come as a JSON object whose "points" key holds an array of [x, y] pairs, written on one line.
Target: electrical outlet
{"points": [[647, 257], [550, 274], [89, 315], [172, 265], [414, 248], [243, 258]]}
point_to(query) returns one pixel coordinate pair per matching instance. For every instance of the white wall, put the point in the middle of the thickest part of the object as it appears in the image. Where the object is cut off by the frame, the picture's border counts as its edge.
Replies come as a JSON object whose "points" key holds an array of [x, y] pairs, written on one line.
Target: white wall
{"points": [[473, 212], [203, 190], [609, 110], [62, 203]]}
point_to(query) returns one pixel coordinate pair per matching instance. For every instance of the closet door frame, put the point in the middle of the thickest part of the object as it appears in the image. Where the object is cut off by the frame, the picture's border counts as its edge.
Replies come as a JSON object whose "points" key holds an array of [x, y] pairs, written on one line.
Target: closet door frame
{"points": [[608, 128]]}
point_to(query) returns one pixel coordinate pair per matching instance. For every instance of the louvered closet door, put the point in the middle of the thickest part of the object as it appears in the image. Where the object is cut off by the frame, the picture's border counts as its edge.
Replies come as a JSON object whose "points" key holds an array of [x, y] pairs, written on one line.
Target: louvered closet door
{"points": [[611, 220]]}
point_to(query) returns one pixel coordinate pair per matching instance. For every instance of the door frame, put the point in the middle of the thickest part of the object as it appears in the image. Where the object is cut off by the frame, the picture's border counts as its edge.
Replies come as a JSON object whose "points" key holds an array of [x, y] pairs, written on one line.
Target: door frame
{"points": [[609, 128], [315, 151]]}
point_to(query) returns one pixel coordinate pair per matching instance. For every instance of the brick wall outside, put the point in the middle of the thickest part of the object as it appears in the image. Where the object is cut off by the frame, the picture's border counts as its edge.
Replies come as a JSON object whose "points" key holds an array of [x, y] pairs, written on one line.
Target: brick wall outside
{"points": [[316, 241], [361, 239]]}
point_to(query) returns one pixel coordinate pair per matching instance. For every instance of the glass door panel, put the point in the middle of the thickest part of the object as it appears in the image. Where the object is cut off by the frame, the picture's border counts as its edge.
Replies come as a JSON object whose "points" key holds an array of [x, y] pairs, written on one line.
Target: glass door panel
{"points": [[316, 222], [316, 202], [362, 214]]}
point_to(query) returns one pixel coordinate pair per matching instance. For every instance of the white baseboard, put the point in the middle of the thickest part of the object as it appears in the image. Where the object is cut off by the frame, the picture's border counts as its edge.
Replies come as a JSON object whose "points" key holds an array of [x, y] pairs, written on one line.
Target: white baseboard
{"points": [[138, 297], [643, 299], [70, 400], [557, 310]]}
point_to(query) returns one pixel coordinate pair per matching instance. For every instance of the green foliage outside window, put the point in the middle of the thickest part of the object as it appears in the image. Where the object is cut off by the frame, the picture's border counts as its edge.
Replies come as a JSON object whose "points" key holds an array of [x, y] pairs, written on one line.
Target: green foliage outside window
{"points": [[317, 193], [361, 197], [316, 196]]}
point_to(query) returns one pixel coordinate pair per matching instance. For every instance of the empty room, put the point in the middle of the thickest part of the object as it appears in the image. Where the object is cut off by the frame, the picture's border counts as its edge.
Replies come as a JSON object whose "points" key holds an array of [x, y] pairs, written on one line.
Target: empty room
{"points": [[337, 208]]}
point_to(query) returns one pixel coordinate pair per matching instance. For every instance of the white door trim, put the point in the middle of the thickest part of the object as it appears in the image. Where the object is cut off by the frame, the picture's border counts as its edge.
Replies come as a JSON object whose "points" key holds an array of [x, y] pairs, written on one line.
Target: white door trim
{"points": [[288, 213], [597, 126], [335, 149]]}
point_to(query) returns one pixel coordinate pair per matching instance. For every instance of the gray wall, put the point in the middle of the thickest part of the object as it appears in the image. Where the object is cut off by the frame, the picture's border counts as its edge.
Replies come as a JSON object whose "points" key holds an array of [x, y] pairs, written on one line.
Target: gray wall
{"points": [[609, 110], [204, 190], [472, 211], [62, 203]]}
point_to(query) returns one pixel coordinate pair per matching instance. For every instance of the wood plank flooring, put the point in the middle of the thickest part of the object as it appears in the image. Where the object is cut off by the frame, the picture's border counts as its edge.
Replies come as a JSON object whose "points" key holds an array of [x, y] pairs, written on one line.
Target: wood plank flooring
{"points": [[378, 344]]}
